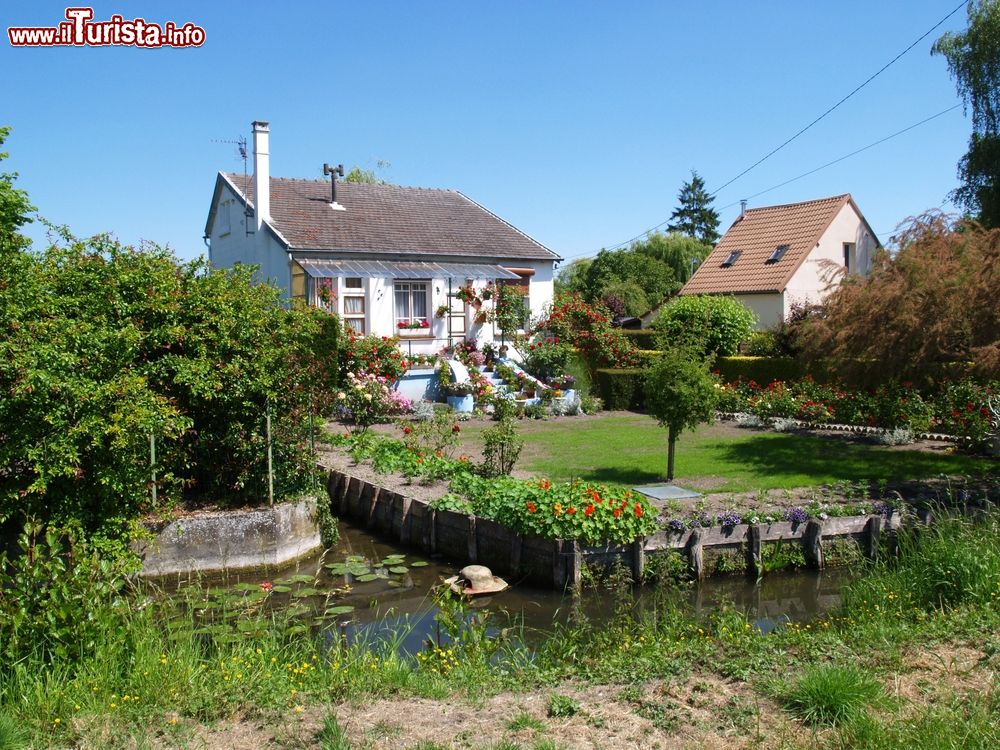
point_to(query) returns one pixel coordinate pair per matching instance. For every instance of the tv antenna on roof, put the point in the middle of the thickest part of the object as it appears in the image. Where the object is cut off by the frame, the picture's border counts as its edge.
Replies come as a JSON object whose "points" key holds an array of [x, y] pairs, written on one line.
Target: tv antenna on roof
{"points": [[241, 149]]}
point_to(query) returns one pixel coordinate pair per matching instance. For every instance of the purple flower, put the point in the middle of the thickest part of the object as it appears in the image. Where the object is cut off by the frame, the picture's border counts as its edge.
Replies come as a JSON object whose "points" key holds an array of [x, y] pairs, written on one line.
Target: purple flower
{"points": [[729, 519], [881, 508], [676, 525], [796, 515], [701, 518]]}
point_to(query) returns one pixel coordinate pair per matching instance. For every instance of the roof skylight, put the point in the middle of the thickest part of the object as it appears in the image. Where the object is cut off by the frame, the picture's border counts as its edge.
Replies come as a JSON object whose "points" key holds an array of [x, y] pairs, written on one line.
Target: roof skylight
{"points": [[733, 257], [778, 254]]}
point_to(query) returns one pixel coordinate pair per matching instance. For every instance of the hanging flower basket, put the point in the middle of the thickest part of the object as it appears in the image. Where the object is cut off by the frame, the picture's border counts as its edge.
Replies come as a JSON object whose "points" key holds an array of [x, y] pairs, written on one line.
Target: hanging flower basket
{"points": [[441, 311]]}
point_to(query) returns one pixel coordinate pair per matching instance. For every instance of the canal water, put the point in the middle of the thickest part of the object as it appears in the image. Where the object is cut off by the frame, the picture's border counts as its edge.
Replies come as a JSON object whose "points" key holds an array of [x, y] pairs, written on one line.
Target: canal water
{"points": [[367, 588]]}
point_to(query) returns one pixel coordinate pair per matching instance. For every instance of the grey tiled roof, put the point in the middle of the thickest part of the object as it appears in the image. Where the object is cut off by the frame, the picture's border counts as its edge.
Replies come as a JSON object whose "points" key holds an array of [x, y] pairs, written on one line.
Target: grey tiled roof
{"points": [[390, 219]]}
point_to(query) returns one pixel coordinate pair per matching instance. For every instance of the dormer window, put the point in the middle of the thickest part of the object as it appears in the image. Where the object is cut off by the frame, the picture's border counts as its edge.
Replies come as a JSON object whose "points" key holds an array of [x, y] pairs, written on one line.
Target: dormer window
{"points": [[733, 257], [778, 254]]}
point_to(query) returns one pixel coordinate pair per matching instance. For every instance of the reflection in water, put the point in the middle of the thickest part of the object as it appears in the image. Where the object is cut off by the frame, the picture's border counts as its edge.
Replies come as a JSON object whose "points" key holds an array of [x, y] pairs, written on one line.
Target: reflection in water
{"points": [[408, 612], [370, 589]]}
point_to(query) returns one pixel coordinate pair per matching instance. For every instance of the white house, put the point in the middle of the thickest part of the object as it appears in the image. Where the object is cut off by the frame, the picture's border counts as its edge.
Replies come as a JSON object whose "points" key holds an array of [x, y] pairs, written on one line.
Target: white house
{"points": [[775, 256], [386, 258]]}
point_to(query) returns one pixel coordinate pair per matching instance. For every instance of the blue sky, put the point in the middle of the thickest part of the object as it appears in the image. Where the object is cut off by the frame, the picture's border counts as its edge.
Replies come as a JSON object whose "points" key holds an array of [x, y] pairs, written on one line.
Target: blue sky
{"points": [[575, 121]]}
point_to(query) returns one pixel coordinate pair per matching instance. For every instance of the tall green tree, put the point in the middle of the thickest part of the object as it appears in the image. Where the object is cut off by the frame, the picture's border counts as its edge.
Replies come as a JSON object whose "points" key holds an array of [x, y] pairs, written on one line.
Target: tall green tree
{"points": [[695, 216], [572, 278], [681, 252], [974, 62], [638, 271], [14, 204]]}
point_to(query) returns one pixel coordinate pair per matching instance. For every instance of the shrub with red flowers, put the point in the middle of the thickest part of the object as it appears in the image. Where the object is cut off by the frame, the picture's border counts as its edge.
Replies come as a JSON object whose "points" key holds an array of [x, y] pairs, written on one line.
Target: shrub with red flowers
{"points": [[376, 355], [588, 328], [547, 358], [961, 409]]}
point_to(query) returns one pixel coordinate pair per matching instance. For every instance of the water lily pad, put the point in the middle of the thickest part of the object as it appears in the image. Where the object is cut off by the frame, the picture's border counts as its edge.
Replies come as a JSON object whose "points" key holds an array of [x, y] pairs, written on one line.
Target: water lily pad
{"points": [[297, 629], [294, 612], [394, 584], [419, 564], [304, 592], [399, 569], [341, 610], [301, 578], [279, 588], [367, 578], [246, 587]]}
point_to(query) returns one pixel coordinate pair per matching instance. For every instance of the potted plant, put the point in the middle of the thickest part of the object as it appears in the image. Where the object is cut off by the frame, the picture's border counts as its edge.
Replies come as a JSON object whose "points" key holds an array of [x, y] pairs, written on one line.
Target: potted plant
{"points": [[459, 395], [441, 311]]}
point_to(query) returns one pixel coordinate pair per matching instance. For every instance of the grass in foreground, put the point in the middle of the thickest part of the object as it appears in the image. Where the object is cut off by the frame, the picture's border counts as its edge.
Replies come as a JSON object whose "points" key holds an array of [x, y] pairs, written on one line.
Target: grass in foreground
{"points": [[157, 678], [632, 449]]}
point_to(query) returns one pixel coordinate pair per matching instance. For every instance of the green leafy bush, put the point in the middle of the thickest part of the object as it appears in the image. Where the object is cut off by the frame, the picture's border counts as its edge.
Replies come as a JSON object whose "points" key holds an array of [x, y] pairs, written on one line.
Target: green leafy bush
{"points": [[715, 325], [642, 338], [547, 358], [105, 345], [60, 598], [680, 394], [501, 448]]}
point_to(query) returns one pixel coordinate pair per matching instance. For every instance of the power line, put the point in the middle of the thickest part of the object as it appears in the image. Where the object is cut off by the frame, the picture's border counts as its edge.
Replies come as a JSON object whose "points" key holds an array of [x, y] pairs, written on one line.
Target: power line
{"points": [[807, 127], [871, 78], [799, 177], [846, 156]]}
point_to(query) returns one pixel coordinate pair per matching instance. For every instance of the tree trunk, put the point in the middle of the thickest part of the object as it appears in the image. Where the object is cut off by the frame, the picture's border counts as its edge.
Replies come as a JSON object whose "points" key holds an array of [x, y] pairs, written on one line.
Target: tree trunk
{"points": [[671, 440]]}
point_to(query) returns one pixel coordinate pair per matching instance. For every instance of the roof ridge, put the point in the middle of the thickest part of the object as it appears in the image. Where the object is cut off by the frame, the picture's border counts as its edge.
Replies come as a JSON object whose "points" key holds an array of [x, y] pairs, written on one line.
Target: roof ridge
{"points": [[322, 181], [839, 197]]}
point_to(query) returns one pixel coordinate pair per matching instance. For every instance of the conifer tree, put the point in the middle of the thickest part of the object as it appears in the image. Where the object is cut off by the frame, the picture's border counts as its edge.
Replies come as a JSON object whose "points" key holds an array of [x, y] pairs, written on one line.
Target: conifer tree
{"points": [[695, 216]]}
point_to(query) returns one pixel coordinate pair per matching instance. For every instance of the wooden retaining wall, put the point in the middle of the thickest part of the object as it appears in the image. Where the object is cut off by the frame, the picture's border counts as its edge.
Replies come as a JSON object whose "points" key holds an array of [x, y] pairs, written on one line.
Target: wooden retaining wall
{"points": [[559, 563]]}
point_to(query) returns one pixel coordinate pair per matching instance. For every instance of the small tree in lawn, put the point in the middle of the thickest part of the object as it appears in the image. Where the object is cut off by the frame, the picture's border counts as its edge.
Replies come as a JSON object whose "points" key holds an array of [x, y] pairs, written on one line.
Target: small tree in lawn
{"points": [[680, 394]]}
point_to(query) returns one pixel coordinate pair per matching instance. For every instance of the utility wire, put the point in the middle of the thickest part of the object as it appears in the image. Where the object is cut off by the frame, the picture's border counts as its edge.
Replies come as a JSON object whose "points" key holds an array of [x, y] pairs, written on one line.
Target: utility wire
{"points": [[846, 156], [799, 177], [807, 127], [871, 78]]}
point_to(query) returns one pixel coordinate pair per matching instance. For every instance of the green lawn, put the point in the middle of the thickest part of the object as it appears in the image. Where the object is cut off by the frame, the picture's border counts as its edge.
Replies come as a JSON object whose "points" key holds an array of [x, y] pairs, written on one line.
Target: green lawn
{"points": [[632, 449]]}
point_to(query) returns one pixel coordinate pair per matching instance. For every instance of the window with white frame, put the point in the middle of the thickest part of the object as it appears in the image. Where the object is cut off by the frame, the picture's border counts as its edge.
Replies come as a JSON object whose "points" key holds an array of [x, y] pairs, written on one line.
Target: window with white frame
{"points": [[353, 294], [410, 304]]}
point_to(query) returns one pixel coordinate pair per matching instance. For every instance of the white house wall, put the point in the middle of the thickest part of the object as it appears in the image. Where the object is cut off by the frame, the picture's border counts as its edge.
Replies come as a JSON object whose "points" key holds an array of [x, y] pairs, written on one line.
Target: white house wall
{"points": [[768, 308], [227, 248], [823, 268]]}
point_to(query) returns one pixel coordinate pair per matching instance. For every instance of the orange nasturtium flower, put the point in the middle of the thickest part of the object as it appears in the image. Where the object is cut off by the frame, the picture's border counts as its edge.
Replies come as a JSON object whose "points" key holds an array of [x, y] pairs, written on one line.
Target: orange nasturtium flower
{"points": [[557, 509], [638, 510], [531, 507], [618, 512], [571, 510], [589, 511]]}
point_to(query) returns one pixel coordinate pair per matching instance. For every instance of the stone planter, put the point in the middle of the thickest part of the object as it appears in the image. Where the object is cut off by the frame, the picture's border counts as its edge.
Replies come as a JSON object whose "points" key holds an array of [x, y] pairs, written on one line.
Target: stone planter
{"points": [[462, 403]]}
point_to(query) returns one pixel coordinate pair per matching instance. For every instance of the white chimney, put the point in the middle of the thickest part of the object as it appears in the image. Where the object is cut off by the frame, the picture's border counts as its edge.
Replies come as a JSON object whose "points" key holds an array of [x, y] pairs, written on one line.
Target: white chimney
{"points": [[261, 174]]}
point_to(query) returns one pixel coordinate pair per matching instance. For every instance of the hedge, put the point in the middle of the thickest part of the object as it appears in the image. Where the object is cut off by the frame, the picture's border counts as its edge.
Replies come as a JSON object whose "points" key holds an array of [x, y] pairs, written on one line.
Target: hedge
{"points": [[622, 388], [763, 370], [643, 338]]}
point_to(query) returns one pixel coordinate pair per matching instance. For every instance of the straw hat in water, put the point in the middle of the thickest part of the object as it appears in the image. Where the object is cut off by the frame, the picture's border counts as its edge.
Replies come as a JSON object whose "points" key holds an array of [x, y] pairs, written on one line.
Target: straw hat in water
{"points": [[475, 580]]}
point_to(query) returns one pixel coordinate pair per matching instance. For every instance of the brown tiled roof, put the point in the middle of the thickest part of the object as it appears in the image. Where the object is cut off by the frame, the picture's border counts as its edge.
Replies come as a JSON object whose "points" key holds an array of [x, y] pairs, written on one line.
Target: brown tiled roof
{"points": [[757, 234], [390, 219]]}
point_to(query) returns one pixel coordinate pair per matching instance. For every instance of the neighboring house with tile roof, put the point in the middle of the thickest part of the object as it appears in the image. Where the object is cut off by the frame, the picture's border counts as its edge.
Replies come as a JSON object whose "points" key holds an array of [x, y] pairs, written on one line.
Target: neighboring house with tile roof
{"points": [[775, 256], [384, 257]]}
